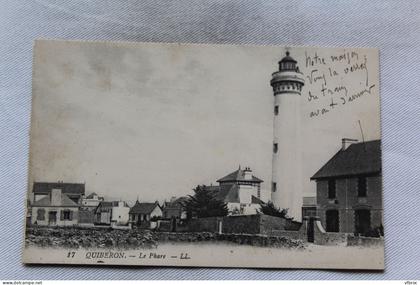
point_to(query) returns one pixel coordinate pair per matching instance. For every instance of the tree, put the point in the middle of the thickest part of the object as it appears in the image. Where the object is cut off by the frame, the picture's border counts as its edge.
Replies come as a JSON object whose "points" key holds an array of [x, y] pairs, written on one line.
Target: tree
{"points": [[204, 204], [271, 210]]}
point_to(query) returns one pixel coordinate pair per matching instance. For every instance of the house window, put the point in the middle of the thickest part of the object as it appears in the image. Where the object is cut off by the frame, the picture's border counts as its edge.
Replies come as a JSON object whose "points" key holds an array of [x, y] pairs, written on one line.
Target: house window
{"points": [[40, 215], [66, 215], [361, 187], [275, 148], [276, 110], [331, 189], [274, 186]]}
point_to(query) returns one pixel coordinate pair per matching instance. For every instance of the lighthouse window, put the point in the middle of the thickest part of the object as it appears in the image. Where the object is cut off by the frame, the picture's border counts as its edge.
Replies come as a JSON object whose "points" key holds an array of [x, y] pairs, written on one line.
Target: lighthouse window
{"points": [[275, 148], [274, 186], [276, 110]]}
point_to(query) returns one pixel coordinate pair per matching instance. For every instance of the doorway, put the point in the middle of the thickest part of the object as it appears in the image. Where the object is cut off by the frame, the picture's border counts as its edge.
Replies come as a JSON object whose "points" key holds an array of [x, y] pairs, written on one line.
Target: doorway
{"points": [[310, 229], [332, 218], [362, 221], [52, 218]]}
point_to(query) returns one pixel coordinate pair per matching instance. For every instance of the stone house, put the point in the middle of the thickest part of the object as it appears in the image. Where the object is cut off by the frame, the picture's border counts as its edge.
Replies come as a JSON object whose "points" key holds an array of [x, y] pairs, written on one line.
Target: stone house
{"points": [[174, 209], [240, 190], [143, 214], [114, 214], [54, 209], [349, 189]]}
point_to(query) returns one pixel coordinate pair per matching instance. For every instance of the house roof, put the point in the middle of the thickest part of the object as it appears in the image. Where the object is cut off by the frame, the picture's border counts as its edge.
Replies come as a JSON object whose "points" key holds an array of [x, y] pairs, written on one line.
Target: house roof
{"points": [[46, 202], [255, 200], [91, 196], [67, 188], [143, 208], [106, 205], [238, 176], [176, 203], [358, 158], [229, 193]]}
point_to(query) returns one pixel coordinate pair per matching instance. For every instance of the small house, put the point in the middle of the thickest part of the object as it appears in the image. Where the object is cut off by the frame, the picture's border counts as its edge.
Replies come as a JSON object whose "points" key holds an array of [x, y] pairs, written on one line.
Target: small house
{"points": [[240, 190], [91, 200], [87, 209], [55, 209], [174, 209], [114, 214], [349, 188], [144, 215]]}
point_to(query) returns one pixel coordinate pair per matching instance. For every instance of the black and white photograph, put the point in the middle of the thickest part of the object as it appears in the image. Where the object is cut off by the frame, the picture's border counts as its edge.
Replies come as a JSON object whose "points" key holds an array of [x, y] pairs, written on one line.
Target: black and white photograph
{"points": [[158, 154]]}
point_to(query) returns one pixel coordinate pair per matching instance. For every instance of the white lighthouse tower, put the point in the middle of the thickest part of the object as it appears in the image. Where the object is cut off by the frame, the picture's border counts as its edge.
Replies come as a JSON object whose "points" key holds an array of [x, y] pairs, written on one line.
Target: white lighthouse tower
{"points": [[286, 188]]}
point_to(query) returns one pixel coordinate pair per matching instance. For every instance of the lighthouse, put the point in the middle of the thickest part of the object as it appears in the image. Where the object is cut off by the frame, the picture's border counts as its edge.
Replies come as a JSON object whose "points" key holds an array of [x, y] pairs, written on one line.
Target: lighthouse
{"points": [[286, 186]]}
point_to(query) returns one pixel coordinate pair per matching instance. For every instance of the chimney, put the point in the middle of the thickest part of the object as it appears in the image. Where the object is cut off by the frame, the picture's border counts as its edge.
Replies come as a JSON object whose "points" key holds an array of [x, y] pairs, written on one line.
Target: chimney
{"points": [[247, 173], [345, 142], [56, 197]]}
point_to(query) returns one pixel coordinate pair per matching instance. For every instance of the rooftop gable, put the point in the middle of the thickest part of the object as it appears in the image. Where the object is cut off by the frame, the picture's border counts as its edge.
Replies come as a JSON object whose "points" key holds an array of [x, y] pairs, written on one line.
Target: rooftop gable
{"points": [[238, 176], [143, 208], [66, 188], [176, 203], [46, 202], [357, 159], [229, 193], [107, 205]]}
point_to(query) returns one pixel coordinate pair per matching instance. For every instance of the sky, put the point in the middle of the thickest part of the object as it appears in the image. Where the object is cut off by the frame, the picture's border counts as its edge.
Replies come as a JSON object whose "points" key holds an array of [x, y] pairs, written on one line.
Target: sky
{"points": [[155, 120]]}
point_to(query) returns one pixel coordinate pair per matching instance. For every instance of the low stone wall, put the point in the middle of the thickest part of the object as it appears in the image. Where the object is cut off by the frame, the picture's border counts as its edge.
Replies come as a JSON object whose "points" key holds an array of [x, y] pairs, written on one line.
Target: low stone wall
{"points": [[76, 237], [164, 226], [249, 224], [292, 225], [203, 225], [244, 224], [144, 225], [243, 239], [268, 224], [364, 241], [327, 238], [288, 234], [348, 239], [122, 239], [331, 238]]}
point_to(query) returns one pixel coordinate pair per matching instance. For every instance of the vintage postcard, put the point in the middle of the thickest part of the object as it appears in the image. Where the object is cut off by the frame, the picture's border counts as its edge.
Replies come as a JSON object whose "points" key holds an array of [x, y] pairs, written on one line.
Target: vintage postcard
{"points": [[205, 155]]}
